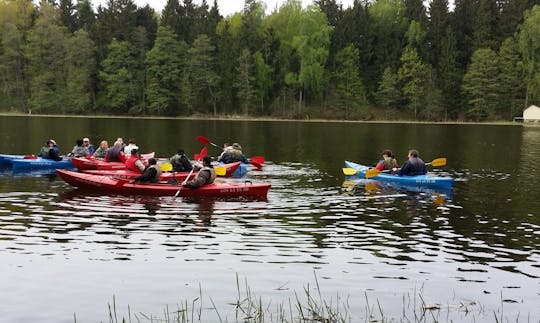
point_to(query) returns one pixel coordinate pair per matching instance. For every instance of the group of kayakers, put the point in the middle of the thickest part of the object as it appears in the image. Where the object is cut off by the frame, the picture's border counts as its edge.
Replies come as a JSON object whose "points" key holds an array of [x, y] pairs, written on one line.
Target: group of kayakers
{"points": [[129, 155], [414, 165]]}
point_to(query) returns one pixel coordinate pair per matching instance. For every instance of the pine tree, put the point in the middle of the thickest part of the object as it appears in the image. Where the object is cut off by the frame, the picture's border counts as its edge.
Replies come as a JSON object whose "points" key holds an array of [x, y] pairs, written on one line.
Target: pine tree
{"points": [[480, 84]]}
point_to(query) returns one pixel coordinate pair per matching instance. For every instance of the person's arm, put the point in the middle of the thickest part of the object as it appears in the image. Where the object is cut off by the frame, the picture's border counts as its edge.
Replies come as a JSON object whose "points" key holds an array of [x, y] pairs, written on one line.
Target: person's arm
{"points": [[403, 171], [380, 166], [201, 179], [139, 165]]}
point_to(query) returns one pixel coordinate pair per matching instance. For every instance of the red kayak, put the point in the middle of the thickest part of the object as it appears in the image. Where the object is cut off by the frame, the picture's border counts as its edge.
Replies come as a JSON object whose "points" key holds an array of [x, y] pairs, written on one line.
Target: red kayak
{"points": [[85, 163], [165, 176], [122, 186]]}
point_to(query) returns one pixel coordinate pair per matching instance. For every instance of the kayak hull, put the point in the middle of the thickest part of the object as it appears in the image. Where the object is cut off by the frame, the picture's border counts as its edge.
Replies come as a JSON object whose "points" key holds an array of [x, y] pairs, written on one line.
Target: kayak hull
{"points": [[6, 160], [83, 163], [419, 180], [122, 186], [24, 165], [239, 171], [128, 174]]}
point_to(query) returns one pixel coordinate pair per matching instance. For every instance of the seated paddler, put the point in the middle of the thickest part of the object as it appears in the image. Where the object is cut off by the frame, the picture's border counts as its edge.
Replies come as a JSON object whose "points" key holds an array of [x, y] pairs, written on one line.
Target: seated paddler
{"points": [[151, 174], [205, 176]]}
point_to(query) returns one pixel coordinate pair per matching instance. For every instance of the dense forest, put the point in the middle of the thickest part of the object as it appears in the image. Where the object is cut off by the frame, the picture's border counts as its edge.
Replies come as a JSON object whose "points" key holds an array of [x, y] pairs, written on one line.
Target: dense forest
{"points": [[381, 59]]}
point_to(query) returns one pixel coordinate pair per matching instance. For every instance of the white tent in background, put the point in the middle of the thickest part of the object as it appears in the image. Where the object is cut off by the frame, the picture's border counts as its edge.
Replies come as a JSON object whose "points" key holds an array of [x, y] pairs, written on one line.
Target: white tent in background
{"points": [[532, 113]]}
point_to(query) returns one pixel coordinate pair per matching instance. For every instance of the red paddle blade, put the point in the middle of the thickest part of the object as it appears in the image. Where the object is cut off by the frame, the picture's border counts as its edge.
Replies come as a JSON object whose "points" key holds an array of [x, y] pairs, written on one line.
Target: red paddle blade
{"points": [[203, 140], [30, 157], [258, 159], [204, 152], [197, 156], [256, 164]]}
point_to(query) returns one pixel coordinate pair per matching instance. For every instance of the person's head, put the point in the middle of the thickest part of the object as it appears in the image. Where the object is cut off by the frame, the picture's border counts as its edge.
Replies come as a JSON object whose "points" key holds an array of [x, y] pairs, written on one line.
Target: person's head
{"points": [[120, 140], [151, 161], [118, 143], [79, 142], [134, 152], [207, 161], [180, 151], [104, 144], [86, 141], [387, 154], [49, 142], [237, 146], [413, 153]]}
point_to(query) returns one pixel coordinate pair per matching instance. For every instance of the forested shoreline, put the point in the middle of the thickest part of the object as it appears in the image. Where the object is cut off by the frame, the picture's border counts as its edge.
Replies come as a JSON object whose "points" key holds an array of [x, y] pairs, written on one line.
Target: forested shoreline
{"points": [[384, 59]]}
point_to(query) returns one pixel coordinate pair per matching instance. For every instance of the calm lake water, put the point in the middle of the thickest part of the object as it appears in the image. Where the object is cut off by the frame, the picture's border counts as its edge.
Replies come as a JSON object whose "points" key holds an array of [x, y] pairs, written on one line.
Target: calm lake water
{"points": [[473, 252]]}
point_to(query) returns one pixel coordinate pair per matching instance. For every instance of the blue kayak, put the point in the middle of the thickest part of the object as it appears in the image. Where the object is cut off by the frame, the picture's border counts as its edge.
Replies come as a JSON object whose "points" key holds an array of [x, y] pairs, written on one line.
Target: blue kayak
{"points": [[40, 164], [6, 160], [240, 171], [419, 180]]}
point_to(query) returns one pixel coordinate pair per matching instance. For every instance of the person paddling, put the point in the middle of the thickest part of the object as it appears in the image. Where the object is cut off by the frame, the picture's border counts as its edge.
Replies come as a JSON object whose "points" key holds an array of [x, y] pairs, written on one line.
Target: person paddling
{"points": [[388, 162], [180, 162], [151, 174], [413, 166], [205, 176], [233, 155], [50, 151]]}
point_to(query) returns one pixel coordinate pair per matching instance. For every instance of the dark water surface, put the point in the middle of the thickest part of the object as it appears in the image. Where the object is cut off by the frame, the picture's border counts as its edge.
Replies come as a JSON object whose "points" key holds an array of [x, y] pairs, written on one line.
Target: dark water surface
{"points": [[473, 251]]}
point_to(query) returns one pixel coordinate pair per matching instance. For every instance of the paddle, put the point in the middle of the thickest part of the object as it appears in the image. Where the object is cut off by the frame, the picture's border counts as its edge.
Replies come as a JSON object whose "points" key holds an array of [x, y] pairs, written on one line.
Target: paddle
{"points": [[202, 154], [206, 141], [437, 162], [166, 167], [220, 170]]}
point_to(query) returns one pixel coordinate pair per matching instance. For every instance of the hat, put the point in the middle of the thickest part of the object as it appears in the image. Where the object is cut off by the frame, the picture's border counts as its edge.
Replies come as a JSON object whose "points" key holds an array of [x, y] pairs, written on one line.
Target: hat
{"points": [[237, 146], [52, 141]]}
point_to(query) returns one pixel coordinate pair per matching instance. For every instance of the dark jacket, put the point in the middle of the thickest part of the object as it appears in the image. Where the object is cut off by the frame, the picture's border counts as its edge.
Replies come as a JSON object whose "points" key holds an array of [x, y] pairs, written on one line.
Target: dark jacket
{"points": [[150, 175], [412, 167], [181, 163]]}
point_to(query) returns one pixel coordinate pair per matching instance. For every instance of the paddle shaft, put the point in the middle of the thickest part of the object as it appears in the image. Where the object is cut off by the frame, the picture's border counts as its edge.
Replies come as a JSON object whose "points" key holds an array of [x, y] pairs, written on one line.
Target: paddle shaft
{"points": [[202, 154]]}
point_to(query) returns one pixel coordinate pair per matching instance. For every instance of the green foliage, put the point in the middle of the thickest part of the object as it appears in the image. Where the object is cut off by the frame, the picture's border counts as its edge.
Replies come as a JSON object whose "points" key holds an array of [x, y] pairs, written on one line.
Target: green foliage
{"points": [[413, 75], [529, 46], [118, 77], [244, 81], [165, 63], [511, 87], [322, 60], [80, 66], [480, 84], [350, 91], [388, 94], [201, 81], [46, 68]]}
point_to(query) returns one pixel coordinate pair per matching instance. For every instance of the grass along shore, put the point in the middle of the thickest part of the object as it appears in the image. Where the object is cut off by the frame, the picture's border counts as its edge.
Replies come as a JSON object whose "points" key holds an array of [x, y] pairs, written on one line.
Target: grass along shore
{"points": [[310, 306]]}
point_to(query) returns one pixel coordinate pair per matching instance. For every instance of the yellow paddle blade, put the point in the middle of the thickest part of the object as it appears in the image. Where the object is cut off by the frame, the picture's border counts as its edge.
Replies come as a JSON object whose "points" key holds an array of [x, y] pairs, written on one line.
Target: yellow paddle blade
{"points": [[372, 172], [166, 167], [220, 171], [349, 171], [437, 162]]}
